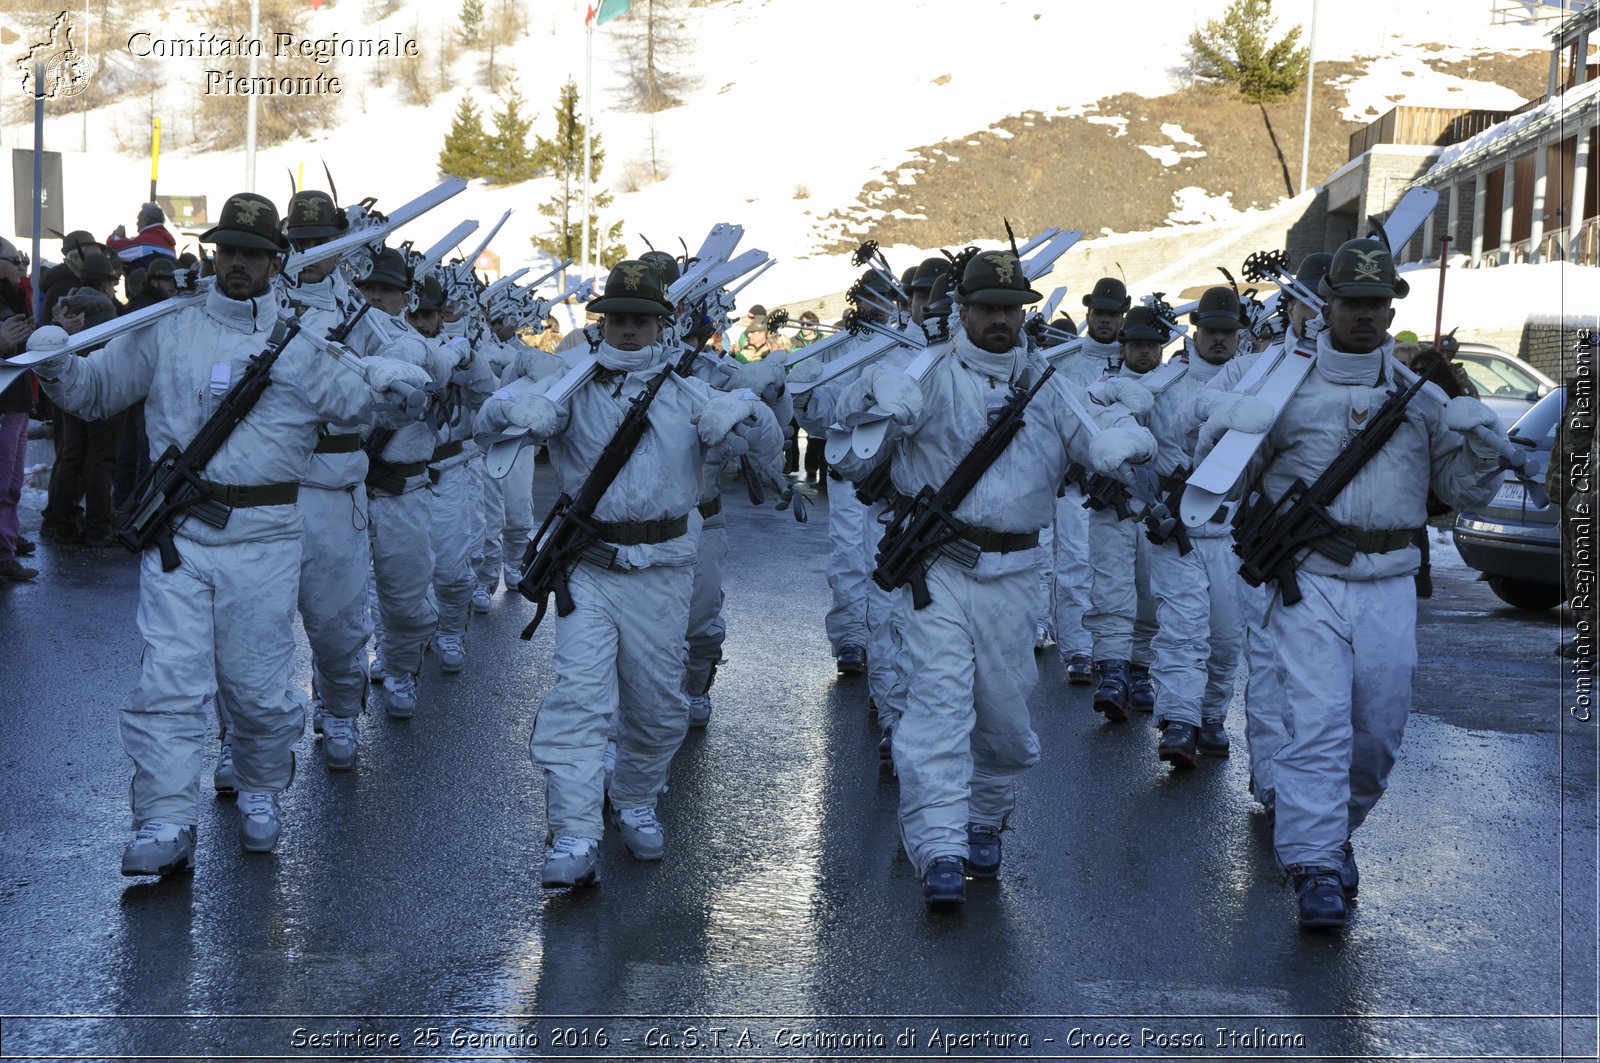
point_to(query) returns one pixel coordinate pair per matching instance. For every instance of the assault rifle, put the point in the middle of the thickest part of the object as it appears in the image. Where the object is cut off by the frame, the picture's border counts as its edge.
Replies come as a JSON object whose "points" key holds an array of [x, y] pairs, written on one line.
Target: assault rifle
{"points": [[928, 528], [1270, 536], [173, 486], [568, 535]]}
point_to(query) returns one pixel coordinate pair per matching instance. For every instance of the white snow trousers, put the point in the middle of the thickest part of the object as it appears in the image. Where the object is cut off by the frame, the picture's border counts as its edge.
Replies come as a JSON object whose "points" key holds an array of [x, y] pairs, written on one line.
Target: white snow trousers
{"points": [[1263, 693], [402, 566], [848, 575], [1346, 653], [336, 557], [1066, 575], [219, 625], [966, 734], [457, 536], [1199, 630], [1121, 617], [707, 629], [507, 520], [621, 646]]}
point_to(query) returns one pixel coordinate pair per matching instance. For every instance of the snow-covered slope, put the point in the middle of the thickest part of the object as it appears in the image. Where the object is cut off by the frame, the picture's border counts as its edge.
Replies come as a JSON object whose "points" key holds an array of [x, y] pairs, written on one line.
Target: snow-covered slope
{"points": [[799, 103]]}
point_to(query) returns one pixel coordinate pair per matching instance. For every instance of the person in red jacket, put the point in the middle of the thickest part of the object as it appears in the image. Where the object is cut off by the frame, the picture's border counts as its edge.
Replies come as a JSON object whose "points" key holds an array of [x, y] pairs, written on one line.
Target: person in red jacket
{"points": [[153, 241]]}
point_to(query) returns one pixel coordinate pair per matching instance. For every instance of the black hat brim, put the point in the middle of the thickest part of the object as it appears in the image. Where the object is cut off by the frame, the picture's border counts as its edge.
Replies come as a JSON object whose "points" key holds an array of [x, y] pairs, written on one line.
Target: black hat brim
{"points": [[1142, 333], [627, 304], [1116, 306], [1221, 321], [303, 232], [998, 297], [381, 278], [237, 238], [1401, 289]]}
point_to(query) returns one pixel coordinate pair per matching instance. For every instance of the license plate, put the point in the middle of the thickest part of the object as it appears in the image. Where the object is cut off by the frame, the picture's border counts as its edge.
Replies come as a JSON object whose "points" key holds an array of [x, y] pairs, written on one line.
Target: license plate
{"points": [[1512, 495]]}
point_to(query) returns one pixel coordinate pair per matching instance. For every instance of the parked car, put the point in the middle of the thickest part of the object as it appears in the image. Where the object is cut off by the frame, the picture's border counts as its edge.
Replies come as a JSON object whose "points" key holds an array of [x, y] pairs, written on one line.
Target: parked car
{"points": [[1515, 544], [1507, 385]]}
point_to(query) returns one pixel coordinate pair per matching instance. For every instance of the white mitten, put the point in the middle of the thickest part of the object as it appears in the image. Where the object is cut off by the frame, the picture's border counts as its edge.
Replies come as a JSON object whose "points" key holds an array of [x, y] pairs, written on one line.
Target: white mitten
{"points": [[384, 373], [1250, 413], [536, 364], [536, 414], [807, 371], [764, 377], [718, 416], [1465, 413], [896, 393], [1130, 393], [1115, 446], [47, 338]]}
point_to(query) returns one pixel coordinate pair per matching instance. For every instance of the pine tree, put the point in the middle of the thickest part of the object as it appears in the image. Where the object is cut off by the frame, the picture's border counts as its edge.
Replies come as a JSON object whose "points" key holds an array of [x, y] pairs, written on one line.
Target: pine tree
{"points": [[563, 154], [510, 160], [466, 146], [471, 21], [1239, 51]]}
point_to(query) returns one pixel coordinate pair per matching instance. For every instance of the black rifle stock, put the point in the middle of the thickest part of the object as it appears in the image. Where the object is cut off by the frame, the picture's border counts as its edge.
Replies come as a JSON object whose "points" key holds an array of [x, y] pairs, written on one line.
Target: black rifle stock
{"points": [[1270, 537], [568, 535], [174, 487], [928, 527]]}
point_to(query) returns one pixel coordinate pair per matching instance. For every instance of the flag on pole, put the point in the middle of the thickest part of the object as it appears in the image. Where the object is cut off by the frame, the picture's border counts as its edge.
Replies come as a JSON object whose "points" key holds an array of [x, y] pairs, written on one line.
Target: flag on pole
{"points": [[605, 11]]}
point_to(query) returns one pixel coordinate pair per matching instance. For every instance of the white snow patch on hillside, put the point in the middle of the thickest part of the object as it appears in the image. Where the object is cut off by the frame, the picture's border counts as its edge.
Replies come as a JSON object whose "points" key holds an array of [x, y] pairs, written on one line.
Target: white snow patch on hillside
{"points": [[1116, 121], [1196, 206], [1175, 133]]}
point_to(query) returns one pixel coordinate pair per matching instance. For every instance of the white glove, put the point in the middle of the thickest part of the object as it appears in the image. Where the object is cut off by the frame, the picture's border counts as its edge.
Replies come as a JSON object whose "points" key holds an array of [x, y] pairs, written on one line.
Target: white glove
{"points": [[807, 371], [764, 377], [1130, 393], [1466, 413], [718, 417], [1114, 446], [384, 373], [46, 338], [1248, 413], [895, 392], [536, 364], [536, 414]]}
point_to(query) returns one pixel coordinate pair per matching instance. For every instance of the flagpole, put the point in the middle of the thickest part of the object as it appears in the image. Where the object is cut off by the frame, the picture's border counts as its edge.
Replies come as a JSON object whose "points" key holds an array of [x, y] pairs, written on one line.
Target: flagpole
{"points": [[588, 81]]}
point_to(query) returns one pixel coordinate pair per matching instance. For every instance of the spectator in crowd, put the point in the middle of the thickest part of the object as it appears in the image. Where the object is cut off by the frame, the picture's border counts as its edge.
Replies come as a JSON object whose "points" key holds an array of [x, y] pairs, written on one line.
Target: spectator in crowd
{"points": [[756, 343], [57, 281], [15, 399], [153, 241], [87, 456]]}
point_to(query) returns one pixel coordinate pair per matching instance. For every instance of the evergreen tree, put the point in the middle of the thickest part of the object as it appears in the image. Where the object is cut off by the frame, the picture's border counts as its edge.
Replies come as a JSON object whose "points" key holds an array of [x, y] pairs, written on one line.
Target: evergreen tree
{"points": [[563, 154], [466, 146], [510, 161], [1239, 51], [471, 21]]}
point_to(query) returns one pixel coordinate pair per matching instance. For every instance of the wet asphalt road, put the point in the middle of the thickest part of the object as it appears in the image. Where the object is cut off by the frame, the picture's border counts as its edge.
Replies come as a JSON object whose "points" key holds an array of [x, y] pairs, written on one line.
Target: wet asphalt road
{"points": [[1139, 911]]}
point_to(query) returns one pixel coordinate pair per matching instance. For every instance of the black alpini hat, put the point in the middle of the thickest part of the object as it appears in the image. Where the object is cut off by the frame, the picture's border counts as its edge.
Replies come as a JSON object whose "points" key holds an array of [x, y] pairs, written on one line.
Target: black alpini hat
{"points": [[995, 278], [1109, 294], [430, 295], [389, 267], [1219, 308], [1142, 324], [314, 214], [248, 220], [633, 287], [1363, 268], [927, 270]]}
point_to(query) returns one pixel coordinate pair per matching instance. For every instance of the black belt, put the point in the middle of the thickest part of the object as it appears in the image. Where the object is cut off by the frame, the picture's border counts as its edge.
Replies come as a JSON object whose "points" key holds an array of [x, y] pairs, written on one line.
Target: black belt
{"points": [[642, 532], [250, 496], [1384, 541], [710, 509], [338, 444], [1000, 542], [446, 451], [1170, 483]]}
